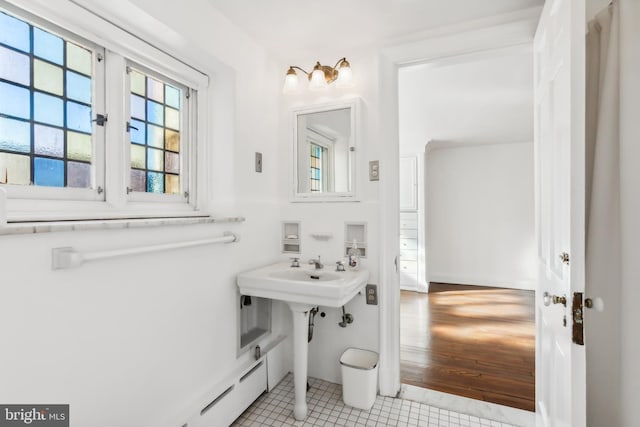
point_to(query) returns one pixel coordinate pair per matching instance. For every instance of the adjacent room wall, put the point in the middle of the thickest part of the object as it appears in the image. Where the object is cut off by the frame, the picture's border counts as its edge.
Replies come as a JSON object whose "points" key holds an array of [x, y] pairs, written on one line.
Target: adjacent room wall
{"points": [[480, 228]]}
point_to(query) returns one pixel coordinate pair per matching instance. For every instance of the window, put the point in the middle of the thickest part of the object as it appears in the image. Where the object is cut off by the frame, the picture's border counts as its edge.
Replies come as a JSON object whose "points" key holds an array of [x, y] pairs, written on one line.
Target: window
{"points": [[46, 100], [60, 144], [156, 116], [318, 168]]}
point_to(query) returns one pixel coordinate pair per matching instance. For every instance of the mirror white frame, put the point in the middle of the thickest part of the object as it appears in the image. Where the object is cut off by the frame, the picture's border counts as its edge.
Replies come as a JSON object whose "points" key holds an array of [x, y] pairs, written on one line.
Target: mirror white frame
{"points": [[343, 196]]}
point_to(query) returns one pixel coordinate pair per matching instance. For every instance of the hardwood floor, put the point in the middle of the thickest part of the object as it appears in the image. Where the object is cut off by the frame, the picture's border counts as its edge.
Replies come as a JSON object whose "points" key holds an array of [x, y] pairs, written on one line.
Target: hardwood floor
{"points": [[471, 341]]}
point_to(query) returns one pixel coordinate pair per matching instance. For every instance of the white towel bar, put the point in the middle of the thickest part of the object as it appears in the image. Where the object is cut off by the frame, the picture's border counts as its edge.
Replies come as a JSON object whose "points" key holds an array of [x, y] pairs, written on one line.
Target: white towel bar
{"points": [[67, 257]]}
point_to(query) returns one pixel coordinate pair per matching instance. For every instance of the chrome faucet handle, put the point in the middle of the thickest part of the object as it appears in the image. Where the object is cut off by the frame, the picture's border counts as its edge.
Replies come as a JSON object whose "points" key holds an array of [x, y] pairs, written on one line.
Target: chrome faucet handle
{"points": [[295, 262], [318, 264], [340, 266]]}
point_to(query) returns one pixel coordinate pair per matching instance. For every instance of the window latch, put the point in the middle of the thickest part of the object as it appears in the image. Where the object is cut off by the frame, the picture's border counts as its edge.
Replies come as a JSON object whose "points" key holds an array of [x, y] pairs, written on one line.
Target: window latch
{"points": [[100, 119], [129, 127]]}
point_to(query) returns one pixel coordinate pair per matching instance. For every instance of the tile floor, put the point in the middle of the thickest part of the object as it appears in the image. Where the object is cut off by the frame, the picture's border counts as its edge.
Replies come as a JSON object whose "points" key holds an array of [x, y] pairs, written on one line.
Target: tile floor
{"points": [[327, 409]]}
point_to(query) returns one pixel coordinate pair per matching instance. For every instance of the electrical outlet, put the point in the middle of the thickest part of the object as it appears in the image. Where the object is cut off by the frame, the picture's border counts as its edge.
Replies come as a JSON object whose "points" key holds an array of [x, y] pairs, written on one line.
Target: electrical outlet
{"points": [[374, 170], [258, 162], [371, 292]]}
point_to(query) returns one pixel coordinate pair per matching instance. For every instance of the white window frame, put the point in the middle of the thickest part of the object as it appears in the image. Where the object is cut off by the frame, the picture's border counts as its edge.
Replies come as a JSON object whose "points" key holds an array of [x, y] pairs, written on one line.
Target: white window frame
{"points": [[121, 47]]}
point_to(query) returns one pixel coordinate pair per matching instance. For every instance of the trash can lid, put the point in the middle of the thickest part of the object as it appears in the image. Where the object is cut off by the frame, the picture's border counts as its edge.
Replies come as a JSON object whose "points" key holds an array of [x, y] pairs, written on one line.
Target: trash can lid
{"points": [[359, 359]]}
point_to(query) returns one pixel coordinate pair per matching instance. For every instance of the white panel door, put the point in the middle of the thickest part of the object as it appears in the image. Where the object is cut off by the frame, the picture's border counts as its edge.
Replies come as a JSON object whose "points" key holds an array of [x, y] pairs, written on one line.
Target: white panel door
{"points": [[559, 50]]}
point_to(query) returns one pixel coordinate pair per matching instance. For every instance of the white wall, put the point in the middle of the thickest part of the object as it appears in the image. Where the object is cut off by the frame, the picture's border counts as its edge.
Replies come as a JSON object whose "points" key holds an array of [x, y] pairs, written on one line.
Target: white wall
{"points": [[330, 340], [137, 341], [480, 227]]}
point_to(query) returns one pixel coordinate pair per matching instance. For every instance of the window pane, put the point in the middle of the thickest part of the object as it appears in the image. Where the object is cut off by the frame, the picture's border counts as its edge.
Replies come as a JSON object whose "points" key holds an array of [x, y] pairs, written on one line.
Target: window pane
{"points": [[137, 107], [78, 59], [155, 136], [78, 117], [155, 113], [172, 162], [47, 46], [78, 87], [48, 141], [155, 90], [53, 95], [48, 172], [78, 175], [172, 184], [47, 109], [138, 132], [47, 77], [138, 180], [137, 83], [155, 182], [14, 32], [172, 96], [172, 140], [15, 169], [154, 160], [20, 105], [138, 156], [14, 66], [79, 146], [172, 118], [15, 135]]}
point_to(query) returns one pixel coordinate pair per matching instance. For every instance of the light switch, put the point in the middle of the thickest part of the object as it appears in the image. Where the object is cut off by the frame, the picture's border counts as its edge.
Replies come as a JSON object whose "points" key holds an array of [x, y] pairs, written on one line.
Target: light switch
{"points": [[374, 170]]}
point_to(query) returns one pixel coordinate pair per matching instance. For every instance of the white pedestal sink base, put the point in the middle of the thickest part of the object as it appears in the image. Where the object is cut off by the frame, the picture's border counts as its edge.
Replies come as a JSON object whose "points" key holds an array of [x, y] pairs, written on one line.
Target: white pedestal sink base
{"points": [[300, 314], [300, 355]]}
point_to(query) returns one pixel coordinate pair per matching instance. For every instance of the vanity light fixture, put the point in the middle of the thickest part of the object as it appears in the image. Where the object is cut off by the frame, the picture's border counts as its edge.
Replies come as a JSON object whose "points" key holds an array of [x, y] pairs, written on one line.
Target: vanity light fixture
{"points": [[320, 77]]}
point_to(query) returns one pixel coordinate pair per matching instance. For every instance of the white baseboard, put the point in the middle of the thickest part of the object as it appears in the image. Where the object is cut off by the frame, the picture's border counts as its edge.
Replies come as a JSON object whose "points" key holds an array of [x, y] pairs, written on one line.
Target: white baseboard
{"points": [[526, 284]]}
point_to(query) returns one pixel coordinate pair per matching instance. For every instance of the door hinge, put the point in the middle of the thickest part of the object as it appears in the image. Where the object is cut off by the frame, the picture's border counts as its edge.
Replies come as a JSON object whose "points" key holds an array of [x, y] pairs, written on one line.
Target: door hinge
{"points": [[99, 57], [577, 334], [101, 119]]}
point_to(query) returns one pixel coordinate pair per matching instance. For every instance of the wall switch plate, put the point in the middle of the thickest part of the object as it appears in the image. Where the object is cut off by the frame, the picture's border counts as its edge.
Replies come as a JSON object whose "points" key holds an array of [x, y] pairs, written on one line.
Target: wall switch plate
{"points": [[374, 170], [371, 292], [259, 162]]}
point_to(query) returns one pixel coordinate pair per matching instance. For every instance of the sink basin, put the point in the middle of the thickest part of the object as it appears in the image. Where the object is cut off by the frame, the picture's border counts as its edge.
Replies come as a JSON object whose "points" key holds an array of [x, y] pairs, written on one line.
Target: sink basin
{"points": [[304, 285], [302, 288]]}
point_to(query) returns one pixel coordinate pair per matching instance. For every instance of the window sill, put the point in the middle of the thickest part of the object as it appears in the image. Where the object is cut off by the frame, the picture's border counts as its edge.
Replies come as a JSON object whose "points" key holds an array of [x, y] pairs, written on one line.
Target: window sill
{"points": [[108, 224]]}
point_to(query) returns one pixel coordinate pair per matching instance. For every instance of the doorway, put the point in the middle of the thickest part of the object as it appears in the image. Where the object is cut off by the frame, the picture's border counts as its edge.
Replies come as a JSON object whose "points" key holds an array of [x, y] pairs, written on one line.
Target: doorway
{"points": [[467, 259]]}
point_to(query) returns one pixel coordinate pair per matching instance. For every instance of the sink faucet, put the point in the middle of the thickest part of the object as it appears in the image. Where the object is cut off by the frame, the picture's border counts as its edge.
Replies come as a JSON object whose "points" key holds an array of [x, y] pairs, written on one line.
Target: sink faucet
{"points": [[317, 263]]}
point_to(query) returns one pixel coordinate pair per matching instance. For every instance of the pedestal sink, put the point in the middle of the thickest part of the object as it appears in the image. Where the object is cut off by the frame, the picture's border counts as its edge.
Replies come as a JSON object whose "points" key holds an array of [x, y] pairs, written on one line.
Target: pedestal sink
{"points": [[302, 288]]}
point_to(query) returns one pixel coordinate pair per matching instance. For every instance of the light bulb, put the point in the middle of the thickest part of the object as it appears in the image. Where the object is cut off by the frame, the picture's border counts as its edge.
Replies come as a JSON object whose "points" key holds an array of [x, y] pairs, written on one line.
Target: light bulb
{"points": [[345, 76], [318, 81], [290, 82]]}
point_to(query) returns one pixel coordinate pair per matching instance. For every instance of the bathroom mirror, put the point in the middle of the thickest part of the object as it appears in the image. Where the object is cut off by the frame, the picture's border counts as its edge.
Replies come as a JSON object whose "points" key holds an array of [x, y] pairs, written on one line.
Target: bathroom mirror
{"points": [[324, 149]]}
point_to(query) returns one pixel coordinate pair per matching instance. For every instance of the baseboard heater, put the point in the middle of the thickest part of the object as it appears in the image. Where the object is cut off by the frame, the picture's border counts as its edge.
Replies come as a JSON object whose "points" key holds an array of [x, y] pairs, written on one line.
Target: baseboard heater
{"points": [[229, 404], [231, 397]]}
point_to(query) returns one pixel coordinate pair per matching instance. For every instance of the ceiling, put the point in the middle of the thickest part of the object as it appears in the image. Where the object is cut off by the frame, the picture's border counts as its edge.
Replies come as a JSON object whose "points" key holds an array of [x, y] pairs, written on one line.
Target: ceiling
{"points": [[293, 29], [473, 99]]}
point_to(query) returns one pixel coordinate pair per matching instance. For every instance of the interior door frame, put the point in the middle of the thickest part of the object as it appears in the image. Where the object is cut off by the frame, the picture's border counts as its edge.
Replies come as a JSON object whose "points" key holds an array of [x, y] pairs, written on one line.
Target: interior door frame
{"points": [[499, 32]]}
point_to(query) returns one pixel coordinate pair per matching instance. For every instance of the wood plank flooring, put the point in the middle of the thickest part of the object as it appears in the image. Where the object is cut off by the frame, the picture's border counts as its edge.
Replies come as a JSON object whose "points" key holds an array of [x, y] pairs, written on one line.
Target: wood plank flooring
{"points": [[471, 341]]}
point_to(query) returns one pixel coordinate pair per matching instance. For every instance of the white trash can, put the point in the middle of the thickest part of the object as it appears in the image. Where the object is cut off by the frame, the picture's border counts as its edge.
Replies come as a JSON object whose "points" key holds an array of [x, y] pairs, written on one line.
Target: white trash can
{"points": [[359, 377]]}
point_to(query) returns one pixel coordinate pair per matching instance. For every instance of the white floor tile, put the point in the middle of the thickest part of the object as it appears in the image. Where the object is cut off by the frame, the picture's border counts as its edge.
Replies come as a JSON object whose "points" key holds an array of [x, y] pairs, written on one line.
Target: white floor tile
{"points": [[327, 409]]}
